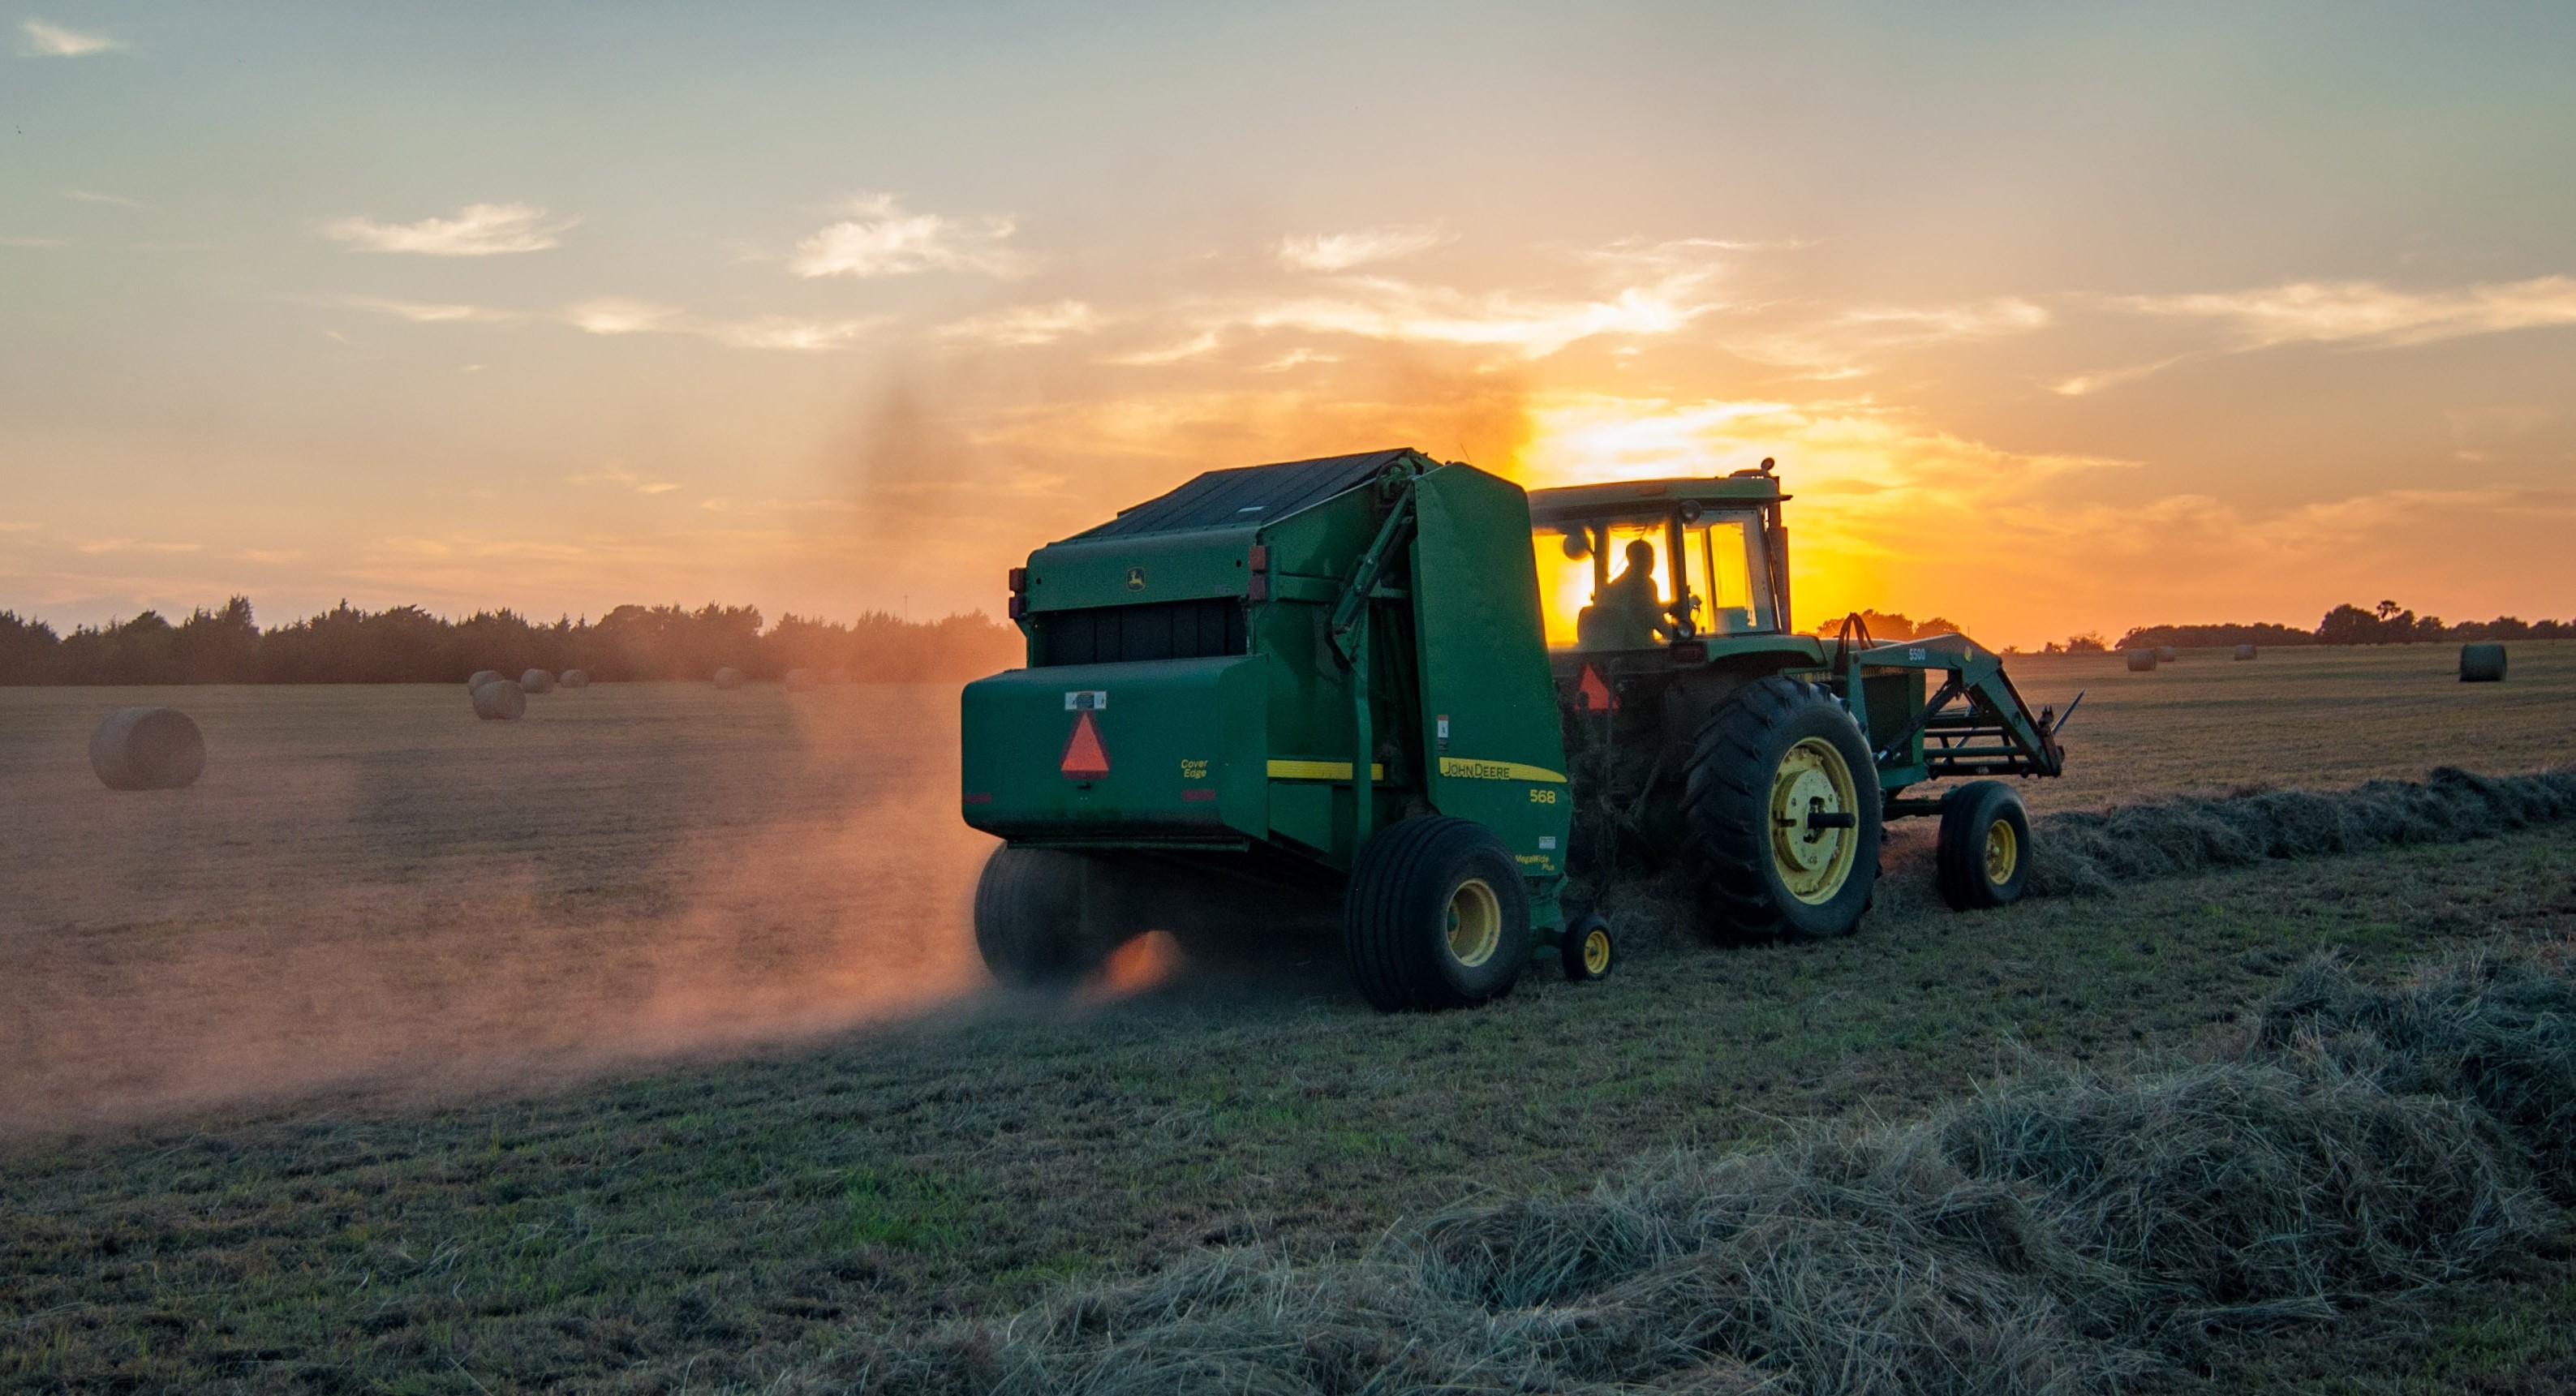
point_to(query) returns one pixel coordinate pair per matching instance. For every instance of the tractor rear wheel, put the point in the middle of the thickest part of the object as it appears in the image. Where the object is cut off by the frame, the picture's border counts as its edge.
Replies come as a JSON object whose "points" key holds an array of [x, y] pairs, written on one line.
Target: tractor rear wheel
{"points": [[1984, 854], [1042, 916], [1435, 917], [1781, 815]]}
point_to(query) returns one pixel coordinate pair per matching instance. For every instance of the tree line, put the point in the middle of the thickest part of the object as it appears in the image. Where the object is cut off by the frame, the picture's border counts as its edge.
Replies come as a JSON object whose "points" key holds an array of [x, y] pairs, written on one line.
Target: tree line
{"points": [[405, 644], [2384, 624]]}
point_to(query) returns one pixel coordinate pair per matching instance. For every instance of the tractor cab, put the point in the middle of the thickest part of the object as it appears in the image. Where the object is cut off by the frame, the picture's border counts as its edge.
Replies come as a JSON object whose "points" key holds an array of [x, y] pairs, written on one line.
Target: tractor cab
{"points": [[1642, 566]]}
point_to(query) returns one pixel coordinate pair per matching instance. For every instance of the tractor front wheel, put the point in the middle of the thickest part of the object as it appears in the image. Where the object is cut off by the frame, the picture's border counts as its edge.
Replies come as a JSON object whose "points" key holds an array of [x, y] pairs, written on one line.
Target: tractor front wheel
{"points": [[1983, 859], [1435, 917], [1781, 814], [1042, 915]]}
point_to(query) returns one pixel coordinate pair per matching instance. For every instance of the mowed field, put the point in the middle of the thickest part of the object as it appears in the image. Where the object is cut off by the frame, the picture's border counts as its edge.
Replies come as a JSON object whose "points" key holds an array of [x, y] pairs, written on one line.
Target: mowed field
{"points": [[641, 1044]]}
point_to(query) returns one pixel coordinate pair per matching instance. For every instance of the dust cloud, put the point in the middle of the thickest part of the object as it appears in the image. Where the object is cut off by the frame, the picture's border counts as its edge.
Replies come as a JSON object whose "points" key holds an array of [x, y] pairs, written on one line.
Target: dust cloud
{"points": [[955, 471], [372, 895]]}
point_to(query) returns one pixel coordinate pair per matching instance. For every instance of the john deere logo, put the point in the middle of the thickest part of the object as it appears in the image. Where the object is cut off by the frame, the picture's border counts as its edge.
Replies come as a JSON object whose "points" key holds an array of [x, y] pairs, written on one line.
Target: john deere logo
{"points": [[1135, 579]]}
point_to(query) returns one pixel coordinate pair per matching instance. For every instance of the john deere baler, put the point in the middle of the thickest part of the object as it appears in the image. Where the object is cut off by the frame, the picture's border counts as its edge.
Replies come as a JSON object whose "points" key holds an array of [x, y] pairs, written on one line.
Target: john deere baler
{"points": [[1326, 673]]}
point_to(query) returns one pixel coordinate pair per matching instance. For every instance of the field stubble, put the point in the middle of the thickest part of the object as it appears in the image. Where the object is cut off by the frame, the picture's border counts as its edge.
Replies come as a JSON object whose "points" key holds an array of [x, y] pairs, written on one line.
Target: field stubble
{"points": [[370, 888], [371, 895]]}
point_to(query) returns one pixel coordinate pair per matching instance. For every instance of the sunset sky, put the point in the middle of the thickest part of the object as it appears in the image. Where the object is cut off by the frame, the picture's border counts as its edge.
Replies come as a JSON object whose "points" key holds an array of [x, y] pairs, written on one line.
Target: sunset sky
{"points": [[2057, 318]]}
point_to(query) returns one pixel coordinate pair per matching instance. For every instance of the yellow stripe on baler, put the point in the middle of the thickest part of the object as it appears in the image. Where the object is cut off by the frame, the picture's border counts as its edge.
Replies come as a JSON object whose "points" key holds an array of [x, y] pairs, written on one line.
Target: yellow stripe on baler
{"points": [[1320, 770]]}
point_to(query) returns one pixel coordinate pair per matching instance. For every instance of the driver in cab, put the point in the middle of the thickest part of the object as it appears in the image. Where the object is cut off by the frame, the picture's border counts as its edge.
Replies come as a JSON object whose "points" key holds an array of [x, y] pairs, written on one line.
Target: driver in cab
{"points": [[1629, 613]]}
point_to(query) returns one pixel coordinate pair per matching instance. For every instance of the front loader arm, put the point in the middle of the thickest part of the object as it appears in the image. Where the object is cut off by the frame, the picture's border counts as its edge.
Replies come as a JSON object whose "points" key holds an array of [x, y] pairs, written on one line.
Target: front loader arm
{"points": [[1994, 733]]}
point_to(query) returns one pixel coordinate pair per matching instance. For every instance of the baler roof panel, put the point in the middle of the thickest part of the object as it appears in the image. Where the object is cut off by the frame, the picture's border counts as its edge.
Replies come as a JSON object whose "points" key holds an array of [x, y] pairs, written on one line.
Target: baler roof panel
{"points": [[1251, 494]]}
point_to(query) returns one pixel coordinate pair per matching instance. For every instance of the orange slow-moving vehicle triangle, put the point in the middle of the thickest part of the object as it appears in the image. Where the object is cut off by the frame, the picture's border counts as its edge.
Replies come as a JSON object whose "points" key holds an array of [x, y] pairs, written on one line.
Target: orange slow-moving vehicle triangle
{"points": [[1596, 695], [1084, 757]]}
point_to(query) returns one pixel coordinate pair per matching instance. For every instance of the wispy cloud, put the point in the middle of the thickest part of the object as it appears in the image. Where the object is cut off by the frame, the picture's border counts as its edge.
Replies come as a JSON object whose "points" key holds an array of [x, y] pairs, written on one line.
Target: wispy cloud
{"points": [[1926, 324], [880, 239], [1027, 324], [623, 315], [618, 315], [426, 313], [1528, 326], [33, 242], [128, 545], [615, 474], [1333, 252], [1197, 346], [2086, 384], [42, 40], [2369, 313], [92, 196], [788, 332], [480, 230]]}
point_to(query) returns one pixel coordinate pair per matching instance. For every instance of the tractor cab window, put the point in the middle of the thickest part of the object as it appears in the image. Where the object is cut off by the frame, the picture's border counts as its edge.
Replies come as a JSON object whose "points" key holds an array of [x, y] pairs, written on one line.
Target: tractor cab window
{"points": [[1608, 584], [1730, 575]]}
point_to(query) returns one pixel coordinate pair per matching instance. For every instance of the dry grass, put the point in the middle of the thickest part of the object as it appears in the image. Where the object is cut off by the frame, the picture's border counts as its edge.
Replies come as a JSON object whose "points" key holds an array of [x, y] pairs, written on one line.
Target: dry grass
{"points": [[368, 885], [2053, 1234], [372, 904], [2089, 852], [2316, 716]]}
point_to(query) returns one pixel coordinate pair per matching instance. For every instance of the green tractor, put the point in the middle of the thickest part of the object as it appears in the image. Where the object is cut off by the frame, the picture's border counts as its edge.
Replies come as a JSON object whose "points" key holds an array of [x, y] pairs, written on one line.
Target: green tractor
{"points": [[1349, 688]]}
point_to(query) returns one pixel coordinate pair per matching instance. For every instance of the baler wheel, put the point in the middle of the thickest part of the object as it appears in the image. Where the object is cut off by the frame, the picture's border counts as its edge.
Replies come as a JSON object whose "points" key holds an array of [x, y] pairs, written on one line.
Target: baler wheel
{"points": [[1035, 916], [1781, 815], [1587, 950], [1983, 858], [1435, 916]]}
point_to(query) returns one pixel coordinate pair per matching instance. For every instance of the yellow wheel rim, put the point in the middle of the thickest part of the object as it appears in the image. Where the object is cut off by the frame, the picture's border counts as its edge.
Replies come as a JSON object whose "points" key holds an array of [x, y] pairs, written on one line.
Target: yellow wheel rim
{"points": [[1813, 779], [2003, 852], [1596, 951], [1475, 922]]}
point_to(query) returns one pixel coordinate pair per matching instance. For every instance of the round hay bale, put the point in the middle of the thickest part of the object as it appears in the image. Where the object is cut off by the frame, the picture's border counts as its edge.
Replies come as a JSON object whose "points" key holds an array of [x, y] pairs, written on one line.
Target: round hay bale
{"points": [[147, 749], [2482, 663], [500, 701], [537, 681], [574, 678], [2245, 651], [2142, 661], [728, 678], [800, 680], [480, 678], [2167, 654]]}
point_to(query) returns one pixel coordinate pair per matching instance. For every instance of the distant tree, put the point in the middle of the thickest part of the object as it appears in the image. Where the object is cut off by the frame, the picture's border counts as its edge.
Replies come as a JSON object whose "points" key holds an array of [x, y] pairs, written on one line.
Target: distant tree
{"points": [[218, 646], [2205, 636], [29, 650], [2090, 642], [1894, 625], [2385, 624]]}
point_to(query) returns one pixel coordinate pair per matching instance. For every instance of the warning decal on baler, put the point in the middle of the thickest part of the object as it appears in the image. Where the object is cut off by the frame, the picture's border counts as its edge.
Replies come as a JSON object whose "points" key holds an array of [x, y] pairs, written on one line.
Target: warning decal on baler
{"points": [[1084, 757]]}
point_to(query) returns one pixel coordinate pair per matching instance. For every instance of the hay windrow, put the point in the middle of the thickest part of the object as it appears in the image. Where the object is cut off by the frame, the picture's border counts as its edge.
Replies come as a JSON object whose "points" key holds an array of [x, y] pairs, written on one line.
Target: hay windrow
{"points": [[2091, 851], [2056, 1233]]}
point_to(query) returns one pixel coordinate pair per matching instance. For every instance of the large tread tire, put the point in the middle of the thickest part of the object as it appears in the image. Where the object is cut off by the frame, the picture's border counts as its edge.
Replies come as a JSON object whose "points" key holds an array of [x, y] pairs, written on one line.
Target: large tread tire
{"points": [[1041, 915], [1983, 859], [1396, 916], [1740, 893]]}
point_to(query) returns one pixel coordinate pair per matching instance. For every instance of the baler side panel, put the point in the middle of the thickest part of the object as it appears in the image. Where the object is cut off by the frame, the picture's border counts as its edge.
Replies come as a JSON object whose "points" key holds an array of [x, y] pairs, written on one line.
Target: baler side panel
{"points": [[1484, 667], [1309, 698]]}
